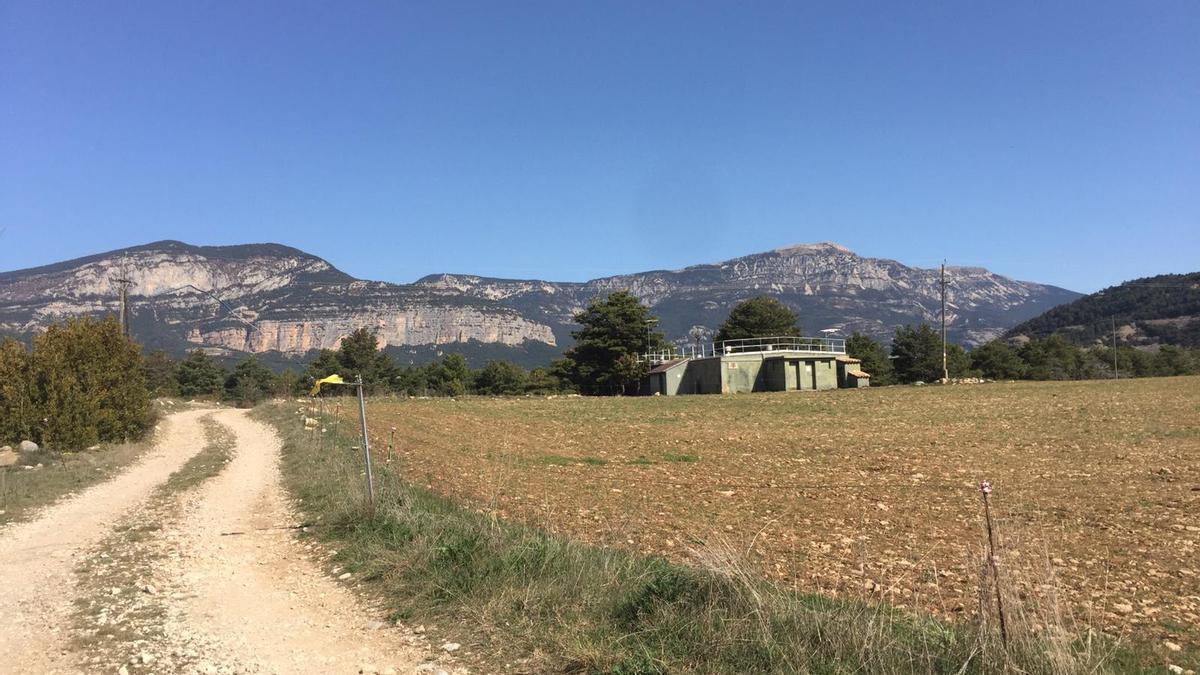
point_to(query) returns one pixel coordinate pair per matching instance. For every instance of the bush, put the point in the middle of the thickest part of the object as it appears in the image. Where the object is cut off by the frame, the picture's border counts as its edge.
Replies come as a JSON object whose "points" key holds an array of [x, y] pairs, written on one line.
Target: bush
{"points": [[88, 385], [17, 408]]}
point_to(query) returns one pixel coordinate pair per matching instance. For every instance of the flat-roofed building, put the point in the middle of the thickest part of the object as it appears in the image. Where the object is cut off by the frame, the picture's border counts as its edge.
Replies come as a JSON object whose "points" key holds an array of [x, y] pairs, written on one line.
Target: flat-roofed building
{"points": [[783, 363]]}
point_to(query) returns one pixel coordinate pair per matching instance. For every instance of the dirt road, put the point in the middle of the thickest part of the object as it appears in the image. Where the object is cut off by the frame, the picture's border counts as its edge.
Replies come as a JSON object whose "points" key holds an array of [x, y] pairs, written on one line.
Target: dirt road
{"points": [[233, 590]]}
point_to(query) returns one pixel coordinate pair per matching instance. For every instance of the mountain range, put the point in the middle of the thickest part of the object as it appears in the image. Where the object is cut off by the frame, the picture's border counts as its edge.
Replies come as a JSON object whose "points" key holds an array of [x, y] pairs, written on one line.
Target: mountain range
{"points": [[283, 303]]}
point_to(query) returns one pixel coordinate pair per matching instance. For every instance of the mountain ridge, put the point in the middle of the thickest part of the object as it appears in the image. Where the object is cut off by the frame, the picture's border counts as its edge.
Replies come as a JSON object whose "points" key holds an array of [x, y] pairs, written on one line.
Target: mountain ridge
{"points": [[269, 297]]}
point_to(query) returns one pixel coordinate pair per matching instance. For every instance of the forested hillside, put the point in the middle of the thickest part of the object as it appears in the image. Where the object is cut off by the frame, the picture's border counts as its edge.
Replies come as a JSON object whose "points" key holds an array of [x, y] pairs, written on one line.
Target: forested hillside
{"points": [[1164, 309]]}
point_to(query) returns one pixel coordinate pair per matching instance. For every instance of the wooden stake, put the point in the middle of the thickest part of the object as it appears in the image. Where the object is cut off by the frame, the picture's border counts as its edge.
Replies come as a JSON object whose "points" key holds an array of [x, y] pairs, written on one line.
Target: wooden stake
{"points": [[985, 488]]}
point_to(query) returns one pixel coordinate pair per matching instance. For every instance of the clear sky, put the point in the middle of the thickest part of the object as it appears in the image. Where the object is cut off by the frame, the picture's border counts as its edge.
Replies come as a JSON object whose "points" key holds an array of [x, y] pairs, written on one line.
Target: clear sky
{"points": [[1055, 142]]}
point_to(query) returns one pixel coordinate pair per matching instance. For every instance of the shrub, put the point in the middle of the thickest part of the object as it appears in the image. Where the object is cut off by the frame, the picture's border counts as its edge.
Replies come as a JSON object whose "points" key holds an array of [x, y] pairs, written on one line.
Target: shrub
{"points": [[89, 385], [17, 413]]}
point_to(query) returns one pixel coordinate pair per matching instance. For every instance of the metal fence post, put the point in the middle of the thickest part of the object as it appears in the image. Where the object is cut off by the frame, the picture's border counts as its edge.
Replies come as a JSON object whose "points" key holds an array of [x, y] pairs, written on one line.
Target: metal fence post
{"points": [[362, 418]]}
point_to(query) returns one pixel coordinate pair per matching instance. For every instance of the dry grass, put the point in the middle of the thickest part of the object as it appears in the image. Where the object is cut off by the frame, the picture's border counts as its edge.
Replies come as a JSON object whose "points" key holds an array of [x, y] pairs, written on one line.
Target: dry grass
{"points": [[859, 494], [27, 487]]}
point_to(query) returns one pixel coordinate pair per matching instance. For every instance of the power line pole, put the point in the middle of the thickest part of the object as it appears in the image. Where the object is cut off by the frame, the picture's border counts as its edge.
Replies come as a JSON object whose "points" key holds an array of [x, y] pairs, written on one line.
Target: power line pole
{"points": [[945, 370], [123, 317], [1114, 324]]}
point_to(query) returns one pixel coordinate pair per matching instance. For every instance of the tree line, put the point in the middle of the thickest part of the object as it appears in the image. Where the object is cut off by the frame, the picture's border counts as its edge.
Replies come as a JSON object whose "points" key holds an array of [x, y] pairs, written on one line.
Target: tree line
{"points": [[82, 382], [915, 355]]}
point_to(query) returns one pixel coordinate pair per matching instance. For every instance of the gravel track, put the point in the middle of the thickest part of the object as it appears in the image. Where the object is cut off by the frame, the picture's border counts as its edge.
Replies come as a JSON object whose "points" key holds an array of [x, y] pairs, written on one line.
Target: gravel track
{"points": [[37, 557], [238, 592]]}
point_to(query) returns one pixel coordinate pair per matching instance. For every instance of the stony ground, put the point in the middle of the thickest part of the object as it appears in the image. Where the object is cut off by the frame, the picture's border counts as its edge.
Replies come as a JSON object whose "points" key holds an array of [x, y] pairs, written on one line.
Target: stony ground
{"points": [[868, 493], [135, 576]]}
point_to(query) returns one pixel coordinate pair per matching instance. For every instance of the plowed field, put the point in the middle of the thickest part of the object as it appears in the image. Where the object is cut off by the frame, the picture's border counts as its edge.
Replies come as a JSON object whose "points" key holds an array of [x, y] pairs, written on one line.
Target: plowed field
{"points": [[857, 492]]}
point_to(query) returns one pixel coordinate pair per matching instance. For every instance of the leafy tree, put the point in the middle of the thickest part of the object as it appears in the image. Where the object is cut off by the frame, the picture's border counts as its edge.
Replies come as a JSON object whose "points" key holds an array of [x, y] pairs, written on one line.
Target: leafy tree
{"points": [[917, 355], [289, 383], [451, 376], [324, 365], [1053, 358], [763, 316], [874, 358], [159, 371], [501, 378], [200, 375], [998, 361], [629, 371], [543, 381], [250, 382], [18, 413], [89, 384], [412, 380], [610, 329], [1171, 360]]}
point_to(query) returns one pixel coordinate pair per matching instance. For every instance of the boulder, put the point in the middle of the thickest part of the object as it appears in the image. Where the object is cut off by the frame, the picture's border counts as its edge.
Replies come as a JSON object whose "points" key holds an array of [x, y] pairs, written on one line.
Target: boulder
{"points": [[8, 457], [27, 446]]}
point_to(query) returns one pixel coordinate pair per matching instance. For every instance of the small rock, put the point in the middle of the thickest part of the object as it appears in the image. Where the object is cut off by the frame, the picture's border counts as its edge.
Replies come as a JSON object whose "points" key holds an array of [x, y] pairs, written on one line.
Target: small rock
{"points": [[376, 625], [344, 576], [27, 446], [419, 630], [426, 668], [1178, 670], [1171, 646], [1123, 608], [147, 658], [149, 590], [451, 647], [123, 671]]}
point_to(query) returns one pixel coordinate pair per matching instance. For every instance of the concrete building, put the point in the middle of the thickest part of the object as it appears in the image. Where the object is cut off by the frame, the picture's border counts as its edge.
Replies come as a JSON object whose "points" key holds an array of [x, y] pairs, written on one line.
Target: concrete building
{"points": [[755, 364]]}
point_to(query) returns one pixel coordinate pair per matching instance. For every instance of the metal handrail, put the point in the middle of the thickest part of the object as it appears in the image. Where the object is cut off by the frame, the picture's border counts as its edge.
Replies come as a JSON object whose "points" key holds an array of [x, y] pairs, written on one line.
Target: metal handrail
{"points": [[791, 343], [794, 343]]}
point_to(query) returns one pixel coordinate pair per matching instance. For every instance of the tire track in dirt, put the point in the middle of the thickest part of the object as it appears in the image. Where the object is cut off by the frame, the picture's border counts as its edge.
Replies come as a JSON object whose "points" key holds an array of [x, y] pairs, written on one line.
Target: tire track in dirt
{"points": [[250, 599], [37, 557]]}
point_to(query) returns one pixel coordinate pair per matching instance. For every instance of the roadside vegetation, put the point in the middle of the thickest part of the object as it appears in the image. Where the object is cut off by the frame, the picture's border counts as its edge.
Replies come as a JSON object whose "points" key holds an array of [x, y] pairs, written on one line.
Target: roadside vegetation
{"points": [[80, 384], [41, 478], [525, 597]]}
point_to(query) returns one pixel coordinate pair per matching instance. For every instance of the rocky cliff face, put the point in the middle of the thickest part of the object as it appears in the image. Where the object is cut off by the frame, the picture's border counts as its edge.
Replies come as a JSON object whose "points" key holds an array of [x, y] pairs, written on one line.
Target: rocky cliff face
{"points": [[256, 298], [271, 298]]}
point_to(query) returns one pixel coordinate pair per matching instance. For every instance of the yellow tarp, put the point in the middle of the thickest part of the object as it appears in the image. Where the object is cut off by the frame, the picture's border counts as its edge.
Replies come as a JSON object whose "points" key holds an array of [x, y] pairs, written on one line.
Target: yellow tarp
{"points": [[332, 379]]}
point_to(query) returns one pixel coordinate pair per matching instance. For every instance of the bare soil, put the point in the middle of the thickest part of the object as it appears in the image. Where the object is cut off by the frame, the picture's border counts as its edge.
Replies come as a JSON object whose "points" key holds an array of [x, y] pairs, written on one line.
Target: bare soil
{"points": [[871, 493]]}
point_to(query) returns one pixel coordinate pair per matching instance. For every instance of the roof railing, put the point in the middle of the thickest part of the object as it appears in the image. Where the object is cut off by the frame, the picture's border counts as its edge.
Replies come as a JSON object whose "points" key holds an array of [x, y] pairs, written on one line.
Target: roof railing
{"points": [[788, 343], [784, 343]]}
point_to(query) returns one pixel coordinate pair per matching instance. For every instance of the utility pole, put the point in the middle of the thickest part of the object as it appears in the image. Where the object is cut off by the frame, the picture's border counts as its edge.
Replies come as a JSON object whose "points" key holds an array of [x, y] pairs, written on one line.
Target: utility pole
{"points": [[1114, 324], [123, 317], [945, 370]]}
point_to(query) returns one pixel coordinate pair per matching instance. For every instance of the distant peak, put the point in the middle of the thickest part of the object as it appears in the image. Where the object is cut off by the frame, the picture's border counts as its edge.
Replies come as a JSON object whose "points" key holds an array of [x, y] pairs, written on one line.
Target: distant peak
{"points": [[819, 246]]}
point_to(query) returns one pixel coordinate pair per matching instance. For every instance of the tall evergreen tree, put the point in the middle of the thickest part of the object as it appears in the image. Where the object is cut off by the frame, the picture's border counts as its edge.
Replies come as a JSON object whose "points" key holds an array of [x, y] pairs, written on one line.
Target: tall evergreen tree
{"points": [[612, 328], [250, 382], [874, 358], [200, 375], [763, 316], [917, 355]]}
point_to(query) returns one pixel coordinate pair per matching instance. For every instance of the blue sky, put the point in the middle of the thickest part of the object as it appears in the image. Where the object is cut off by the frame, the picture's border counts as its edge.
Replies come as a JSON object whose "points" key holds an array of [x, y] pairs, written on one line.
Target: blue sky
{"points": [[1054, 142]]}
